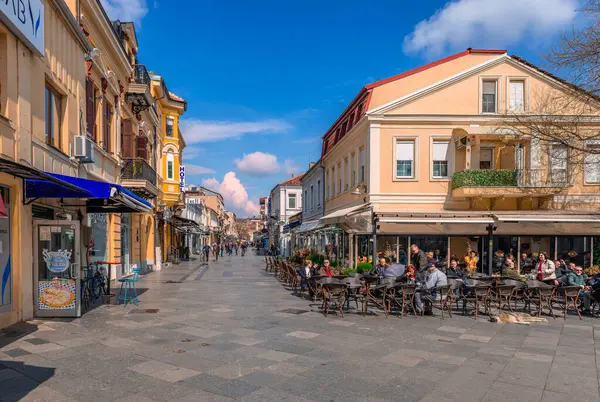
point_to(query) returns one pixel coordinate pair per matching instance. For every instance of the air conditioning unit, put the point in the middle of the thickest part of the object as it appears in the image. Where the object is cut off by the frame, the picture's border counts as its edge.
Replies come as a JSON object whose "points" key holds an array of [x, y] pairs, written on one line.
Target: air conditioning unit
{"points": [[461, 142], [84, 149]]}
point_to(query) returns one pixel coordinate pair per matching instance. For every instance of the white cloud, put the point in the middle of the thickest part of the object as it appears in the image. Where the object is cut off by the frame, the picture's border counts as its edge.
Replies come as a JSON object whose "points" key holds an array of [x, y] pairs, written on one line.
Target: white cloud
{"points": [[489, 23], [234, 194], [126, 10], [307, 140], [289, 167], [197, 169], [257, 164], [196, 130]]}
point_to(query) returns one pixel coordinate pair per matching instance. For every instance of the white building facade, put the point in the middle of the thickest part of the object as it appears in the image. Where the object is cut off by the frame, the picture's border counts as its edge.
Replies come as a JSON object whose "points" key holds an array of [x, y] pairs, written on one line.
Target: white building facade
{"points": [[286, 200]]}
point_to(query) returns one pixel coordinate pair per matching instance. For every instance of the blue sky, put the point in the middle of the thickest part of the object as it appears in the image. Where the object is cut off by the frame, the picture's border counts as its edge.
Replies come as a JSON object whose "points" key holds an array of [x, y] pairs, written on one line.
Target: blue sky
{"points": [[264, 80]]}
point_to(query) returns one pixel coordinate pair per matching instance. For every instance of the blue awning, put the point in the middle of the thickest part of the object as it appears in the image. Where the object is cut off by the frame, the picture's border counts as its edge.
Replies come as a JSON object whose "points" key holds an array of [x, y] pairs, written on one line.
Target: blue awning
{"points": [[101, 196]]}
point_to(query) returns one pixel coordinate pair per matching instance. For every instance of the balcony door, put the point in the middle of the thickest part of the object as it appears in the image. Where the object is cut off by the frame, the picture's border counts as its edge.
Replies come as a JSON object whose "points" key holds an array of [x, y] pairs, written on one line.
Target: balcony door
{"points": [[486, 158]]}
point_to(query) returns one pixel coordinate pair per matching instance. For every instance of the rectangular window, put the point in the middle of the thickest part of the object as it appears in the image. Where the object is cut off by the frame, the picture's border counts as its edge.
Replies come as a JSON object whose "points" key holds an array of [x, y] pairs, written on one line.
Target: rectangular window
{"points": [[440, 158], [305, 200], [170, 122], [488, 96], [346, 174], [353, 167], [558, 163], [405, 159], [340, 179], [312, 198], [108, 117], [516, 96], [333, 181], [292, 201], [327, 185], [362, 165], [486, 158], [53, 116], [319, 193], [170, 166], [592, 162]]}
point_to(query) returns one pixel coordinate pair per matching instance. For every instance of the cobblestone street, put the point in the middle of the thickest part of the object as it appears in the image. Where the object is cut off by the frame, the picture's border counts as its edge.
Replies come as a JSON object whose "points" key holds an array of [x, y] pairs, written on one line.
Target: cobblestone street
{"points": [[233, 332]]}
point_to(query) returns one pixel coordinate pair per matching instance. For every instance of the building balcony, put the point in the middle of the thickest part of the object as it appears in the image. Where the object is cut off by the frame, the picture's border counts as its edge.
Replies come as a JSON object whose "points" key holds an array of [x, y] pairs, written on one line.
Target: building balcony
{"points": [[138, 92], [138, 176], [513, 183]]}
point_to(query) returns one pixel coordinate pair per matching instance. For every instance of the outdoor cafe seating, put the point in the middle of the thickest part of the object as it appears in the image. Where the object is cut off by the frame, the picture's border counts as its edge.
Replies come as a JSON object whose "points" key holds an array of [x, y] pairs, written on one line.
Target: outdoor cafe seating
{"points": [[478, 294]]}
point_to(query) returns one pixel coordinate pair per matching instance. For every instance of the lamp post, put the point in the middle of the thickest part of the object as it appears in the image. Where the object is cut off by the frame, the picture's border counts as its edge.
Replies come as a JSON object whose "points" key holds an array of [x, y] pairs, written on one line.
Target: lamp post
{"points": [[361, 189]]}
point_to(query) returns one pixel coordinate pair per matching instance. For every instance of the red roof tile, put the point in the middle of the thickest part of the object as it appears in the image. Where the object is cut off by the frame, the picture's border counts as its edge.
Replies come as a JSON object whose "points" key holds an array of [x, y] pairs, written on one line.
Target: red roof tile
{"points": [[294, 181]]}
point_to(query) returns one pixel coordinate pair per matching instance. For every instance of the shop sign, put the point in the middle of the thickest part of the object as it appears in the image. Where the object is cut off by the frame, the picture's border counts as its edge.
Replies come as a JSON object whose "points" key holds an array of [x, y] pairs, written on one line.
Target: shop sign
{"points": [[57, 294], [181, 178], [57, 261], [25, 18]]}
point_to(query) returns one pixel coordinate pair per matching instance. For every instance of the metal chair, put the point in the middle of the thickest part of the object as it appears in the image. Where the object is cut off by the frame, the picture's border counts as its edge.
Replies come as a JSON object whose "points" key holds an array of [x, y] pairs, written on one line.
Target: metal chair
{"points": [[334, 292], [569, 299], [542, 297], [475, 296], [503, 294], [129, 283], [354, 290], [442, 303], [375, 294]]}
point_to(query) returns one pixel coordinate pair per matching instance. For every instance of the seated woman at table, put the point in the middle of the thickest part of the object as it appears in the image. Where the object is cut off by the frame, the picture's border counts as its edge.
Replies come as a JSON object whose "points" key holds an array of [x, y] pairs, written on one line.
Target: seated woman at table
{"points": [[544, 268], [325, 269], [305, 274], [471, 261], [315, 269]]}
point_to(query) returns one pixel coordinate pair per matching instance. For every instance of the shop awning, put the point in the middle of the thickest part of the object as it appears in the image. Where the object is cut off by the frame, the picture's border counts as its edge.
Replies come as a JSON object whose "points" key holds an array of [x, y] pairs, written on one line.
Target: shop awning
{"points": [[435, 218], [308, 226], [558, 218], [339, 215], [101, 196]]}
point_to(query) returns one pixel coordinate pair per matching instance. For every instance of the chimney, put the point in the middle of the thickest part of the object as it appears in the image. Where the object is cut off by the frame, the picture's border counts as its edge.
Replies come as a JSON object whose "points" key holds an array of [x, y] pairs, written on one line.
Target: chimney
{"points": [[311, 164], [292, 175]]}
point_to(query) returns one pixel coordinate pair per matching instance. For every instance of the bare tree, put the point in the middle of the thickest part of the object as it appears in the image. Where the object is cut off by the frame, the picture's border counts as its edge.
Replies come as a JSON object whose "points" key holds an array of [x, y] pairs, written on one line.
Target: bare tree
{"points": [[242, 229], [564, 118]]}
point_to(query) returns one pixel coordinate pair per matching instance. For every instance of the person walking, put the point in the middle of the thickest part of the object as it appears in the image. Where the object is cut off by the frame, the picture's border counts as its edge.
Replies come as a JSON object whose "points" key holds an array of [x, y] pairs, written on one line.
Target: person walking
{"points": [[215, 248], [206, 252]]}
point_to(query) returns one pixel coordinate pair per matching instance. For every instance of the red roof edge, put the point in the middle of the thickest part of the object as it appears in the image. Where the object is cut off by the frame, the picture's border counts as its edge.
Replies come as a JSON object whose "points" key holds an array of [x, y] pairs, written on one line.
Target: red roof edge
{"points": [[431, 65]]}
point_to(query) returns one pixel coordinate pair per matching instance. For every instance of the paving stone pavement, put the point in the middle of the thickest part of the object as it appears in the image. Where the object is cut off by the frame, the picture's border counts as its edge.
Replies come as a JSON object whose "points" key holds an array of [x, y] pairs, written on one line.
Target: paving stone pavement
{"points": [[233, 332]]}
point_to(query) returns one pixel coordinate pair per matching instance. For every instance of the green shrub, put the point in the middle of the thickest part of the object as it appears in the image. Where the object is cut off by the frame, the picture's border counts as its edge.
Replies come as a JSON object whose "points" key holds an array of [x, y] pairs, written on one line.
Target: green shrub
{"points": [[317, 259], [485, 178], [364, 266], [349, 271]]}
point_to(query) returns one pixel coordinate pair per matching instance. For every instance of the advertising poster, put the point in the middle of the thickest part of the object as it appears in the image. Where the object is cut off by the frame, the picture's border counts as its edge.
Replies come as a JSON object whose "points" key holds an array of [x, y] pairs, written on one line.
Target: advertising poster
{"points": [[57, 294]]}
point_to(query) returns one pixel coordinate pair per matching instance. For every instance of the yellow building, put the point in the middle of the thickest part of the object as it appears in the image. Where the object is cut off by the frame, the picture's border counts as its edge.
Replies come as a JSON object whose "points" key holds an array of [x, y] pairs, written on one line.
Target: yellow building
{"points": [[430, 156], [171, 172]]}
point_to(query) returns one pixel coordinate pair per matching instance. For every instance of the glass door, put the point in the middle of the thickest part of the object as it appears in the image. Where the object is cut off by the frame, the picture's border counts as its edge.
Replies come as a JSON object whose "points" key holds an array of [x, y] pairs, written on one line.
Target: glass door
{"points": [[56, 268]]}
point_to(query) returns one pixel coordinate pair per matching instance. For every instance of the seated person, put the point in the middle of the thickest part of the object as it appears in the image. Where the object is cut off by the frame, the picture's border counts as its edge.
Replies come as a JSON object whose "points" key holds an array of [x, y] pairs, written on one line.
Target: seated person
{"points": [[434, 278], [380, 268], [394, 271], [578, 278], [562, 274], [471, 261], [305, 274], [454, 269], [325, 269], [526, 263]]}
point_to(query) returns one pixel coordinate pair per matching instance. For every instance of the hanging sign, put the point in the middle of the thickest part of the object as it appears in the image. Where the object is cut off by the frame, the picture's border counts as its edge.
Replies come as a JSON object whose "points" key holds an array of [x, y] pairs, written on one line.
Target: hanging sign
{"points": [[181, 178], [25, 18], [57, 261]]}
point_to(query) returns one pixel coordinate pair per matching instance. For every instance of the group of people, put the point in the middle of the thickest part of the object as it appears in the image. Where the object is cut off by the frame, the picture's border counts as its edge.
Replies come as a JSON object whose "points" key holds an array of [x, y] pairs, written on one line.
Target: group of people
{"points": [[221, 249]]}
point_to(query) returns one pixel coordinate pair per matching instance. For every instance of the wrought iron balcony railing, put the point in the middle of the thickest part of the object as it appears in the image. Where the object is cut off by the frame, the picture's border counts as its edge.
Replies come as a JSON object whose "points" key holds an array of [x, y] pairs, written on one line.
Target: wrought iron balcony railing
{"points": [[141, 75], [544, 178], [138, 169]]}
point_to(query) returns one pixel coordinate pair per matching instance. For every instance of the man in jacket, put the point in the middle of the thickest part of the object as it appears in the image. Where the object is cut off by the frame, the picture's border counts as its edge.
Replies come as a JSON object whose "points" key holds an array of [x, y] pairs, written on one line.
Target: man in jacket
{"points": [[419, 260], [380, 268], [434, 278], [578, 278]]}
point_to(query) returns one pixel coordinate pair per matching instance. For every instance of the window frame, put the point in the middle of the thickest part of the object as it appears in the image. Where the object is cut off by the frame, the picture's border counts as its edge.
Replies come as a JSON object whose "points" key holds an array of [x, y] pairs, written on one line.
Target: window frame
{"points": [[496, 80], [361, 156], [318, 193], [346, 174], [585, 180], [353, 168], [52, 98], [289, 198], [450, 166], [340, 178], [172, 120], [525, 81], [312, 198], [172, 162], [415, 164], [492, 148]]}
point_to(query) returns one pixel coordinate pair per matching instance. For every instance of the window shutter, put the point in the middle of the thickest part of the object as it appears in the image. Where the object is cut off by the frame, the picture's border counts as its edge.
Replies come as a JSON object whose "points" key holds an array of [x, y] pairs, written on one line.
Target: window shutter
{"points": [[90, 108], [127, 138], [440, 151], [405, 151], [142, 151]]}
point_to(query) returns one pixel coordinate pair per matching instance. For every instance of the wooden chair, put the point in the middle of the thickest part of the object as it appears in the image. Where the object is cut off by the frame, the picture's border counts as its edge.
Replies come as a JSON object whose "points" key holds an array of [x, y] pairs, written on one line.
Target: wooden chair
{"points": [[542, 297], [503, 295], [570, 300], [440, 300], [333, 292], [476, 296]]}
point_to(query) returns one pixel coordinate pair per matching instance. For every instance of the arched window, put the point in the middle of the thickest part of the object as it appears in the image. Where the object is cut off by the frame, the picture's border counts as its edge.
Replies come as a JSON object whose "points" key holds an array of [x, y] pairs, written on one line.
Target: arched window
{"points": [[170, 165]]}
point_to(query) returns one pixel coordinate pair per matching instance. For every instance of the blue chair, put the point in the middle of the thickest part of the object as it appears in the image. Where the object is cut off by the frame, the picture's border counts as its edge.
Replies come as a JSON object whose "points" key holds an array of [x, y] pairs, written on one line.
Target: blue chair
{"points": [[129, 283]]}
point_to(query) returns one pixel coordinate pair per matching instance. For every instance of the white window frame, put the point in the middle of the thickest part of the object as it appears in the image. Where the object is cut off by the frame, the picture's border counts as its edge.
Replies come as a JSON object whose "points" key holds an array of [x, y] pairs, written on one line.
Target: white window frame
{"points": [[555, 168], [171, 160], [290, 196], [318, 193], [305, 204], [362, 172], [498, 93], [597, 156], [433, 141], [340, 178], [312, 198], [525, 81], [346, 174], [353, 167], [327, 184], [415, 174], [333, 180]]}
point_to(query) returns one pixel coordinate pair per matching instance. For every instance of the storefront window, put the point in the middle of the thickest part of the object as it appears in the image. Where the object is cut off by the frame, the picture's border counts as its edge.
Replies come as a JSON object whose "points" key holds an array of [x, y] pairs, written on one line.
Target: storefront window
{"points": [[99, 237], [393, 248], [5, 254], [532, 246], [574, 249], [436, 247]]}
